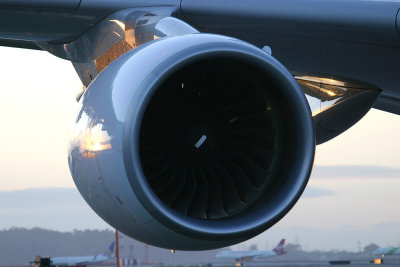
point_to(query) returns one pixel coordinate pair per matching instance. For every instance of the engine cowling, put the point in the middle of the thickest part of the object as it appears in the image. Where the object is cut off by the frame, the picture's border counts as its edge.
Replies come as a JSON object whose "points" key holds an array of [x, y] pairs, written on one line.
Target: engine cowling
{"points": [[193, 142]]}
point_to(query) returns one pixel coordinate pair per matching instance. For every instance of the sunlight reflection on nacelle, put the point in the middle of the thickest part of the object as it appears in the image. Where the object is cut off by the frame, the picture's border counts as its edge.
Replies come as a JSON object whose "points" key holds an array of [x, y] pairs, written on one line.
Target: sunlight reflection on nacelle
{"points": [[95, 139], [90, 136], [119, 23]]}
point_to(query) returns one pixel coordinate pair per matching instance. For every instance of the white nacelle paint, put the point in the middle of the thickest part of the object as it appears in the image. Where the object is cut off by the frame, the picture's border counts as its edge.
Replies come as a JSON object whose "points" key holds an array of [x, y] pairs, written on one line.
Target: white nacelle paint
{"points": [[98, 147], [99, 172]]}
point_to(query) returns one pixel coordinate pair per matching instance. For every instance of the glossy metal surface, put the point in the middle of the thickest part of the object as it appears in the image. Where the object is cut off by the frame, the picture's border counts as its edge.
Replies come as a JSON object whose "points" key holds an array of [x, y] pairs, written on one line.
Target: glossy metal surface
{"points": [[104, 153], [331, 37], [336, 103], [398, 21], [61, 21], [118, 33]]}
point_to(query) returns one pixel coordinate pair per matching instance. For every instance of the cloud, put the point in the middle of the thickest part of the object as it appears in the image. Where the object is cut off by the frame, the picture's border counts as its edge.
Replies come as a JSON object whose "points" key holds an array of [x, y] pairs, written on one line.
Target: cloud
{"points": [[313, 192], [354, 171]]}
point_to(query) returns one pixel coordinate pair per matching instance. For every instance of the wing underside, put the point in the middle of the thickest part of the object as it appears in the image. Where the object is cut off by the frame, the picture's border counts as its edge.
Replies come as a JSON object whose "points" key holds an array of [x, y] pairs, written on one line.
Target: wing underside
{"points": [[359, 40]]}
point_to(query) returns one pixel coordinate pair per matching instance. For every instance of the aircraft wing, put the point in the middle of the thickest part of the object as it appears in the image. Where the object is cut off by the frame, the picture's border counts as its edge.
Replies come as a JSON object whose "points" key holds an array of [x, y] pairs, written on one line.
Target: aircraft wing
{"points": [[356, 39], [362, 37], [23, 23]]}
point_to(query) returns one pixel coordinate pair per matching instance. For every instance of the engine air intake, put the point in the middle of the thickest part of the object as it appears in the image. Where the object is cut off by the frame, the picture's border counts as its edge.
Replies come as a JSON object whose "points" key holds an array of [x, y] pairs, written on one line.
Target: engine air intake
{"points": [[193, 142], [207, 142]]}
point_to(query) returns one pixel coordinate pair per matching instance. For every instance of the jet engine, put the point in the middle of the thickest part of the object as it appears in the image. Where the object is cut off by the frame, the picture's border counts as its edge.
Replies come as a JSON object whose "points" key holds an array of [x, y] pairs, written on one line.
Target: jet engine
{"points": [[193, 142]]}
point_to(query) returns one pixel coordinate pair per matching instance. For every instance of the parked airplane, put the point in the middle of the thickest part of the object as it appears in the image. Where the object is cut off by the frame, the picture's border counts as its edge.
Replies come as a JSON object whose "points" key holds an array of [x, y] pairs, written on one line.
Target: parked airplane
{"points": [[387, 251], [253, 254], [189, 140], [77, 260]]}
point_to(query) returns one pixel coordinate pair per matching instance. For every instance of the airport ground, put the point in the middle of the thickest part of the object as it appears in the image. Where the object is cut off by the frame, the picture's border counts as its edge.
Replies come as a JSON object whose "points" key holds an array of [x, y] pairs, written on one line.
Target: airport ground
{"points": [[277, 264], [254, 264]]}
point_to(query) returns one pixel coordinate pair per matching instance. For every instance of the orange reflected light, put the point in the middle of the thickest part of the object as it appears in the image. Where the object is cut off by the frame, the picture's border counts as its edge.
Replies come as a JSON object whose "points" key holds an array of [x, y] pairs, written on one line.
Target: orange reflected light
{"points": [[321, 80], [332, 82], [377, 261], [98, 147], [91, 145], [95, 140], [117, 34], [330, 93], [119, 23], [88, 155]]}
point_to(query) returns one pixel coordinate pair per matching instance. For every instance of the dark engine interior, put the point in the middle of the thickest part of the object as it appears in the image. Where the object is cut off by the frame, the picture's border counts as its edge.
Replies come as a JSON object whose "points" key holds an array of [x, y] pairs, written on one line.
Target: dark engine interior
{"points": [[210, 139]]}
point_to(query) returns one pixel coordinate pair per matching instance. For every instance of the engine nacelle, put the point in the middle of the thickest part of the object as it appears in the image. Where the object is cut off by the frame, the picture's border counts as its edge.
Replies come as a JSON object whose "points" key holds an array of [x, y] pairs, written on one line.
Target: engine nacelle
{"points": [[193, 142]]}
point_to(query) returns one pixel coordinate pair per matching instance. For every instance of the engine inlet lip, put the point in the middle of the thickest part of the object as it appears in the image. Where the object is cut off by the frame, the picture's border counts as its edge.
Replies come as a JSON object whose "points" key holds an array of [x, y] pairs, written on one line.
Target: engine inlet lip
{"points": [[240, 228]]}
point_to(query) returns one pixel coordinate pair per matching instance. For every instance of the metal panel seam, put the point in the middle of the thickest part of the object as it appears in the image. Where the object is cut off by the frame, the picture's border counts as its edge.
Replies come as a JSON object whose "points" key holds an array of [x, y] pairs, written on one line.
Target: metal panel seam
{"points": [[397, 22], [78, 5]]}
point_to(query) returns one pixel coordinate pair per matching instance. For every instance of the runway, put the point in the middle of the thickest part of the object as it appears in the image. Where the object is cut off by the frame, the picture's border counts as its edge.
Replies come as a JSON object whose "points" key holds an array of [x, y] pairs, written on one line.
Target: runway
{"points": [[270, 264], [275, 265], [306, 263], [294, 264]]}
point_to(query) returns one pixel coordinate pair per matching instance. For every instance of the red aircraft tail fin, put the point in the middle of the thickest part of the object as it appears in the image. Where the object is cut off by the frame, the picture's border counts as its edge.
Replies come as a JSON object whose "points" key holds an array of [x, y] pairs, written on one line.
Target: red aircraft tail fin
{"points": [[280, 248]]}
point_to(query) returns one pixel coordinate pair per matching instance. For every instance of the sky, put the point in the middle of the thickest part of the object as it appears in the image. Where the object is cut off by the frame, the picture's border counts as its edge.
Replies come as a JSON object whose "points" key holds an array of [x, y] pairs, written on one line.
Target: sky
{"points": [[352, 195]]}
